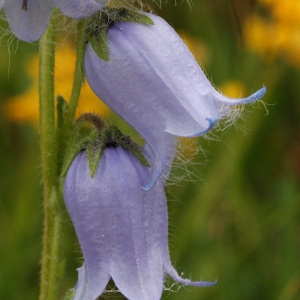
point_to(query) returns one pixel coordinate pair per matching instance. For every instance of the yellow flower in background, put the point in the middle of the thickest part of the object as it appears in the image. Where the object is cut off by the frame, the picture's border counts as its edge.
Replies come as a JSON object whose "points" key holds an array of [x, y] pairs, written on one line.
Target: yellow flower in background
{"points": [[25, 107], [287, 11], [233, 89], [279, 34]]}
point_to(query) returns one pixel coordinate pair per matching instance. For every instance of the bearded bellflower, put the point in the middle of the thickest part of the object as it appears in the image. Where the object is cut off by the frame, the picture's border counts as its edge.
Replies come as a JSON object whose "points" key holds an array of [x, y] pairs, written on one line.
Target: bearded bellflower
{"points": [[28, 19], [122, 230], [151, 79]]}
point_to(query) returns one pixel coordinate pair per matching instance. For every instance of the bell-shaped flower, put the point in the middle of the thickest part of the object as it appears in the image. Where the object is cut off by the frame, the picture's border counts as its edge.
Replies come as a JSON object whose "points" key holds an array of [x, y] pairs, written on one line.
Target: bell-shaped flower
{"points": [[153, 82], [29, 19], [122, 230]]}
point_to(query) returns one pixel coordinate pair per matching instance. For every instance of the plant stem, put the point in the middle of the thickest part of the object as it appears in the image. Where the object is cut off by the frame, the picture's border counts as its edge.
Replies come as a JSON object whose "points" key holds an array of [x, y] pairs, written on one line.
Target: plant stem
{"points": [[48, 145], [79, 74], [64, 130]]}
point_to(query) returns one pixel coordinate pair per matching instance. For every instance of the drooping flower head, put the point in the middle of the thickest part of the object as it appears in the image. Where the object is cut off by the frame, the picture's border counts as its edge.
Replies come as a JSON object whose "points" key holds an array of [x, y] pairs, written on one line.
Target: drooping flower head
{"points": [[28, 19], [150, 78], [122, 230]]}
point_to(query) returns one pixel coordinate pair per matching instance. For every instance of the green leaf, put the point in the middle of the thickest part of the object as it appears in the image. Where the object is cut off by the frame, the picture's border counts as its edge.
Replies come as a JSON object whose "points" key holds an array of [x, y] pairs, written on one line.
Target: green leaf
{"points": [[113, 135], [93, 155], [98, 40], [77, 142], [127, 15]]}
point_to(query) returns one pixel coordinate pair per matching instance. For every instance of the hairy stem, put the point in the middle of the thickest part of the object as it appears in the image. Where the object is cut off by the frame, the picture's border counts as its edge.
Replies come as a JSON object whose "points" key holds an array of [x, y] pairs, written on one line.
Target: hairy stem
{"points": [[48, 145], [76, 89], [79, 74]]}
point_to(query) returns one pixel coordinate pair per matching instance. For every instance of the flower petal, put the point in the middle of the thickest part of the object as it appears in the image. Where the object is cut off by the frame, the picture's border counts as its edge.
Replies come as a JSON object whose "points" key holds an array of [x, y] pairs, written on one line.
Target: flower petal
{"points": [[137, 259], [151, 113], [169, 269], [28, 25], [160, 151], [91, 215], [118, 226], [230, 101], [79, 8], [190, 71], [80, 288]]}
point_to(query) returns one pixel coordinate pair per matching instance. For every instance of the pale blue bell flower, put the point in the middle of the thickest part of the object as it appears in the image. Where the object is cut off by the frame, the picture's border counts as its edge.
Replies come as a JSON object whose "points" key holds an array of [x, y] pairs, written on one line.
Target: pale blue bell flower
{"points": [[155, 84], [122, 230], [28, 19]]}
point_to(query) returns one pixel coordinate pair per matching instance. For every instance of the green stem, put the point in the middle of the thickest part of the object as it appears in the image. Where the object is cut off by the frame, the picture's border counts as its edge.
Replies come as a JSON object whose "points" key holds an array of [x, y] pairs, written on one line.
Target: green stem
{"points": [[67, 117], [79, 74], [48, 144], [76, 89]]}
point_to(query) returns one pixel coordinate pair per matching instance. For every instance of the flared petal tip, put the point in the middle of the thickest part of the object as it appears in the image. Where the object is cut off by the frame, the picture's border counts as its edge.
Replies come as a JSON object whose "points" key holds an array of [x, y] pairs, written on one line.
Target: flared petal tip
{"points": [[211, 124], [173, 273], [234, 101], [204, 283], [196, 283], [252, 98], [257, 95], [148, 186]]}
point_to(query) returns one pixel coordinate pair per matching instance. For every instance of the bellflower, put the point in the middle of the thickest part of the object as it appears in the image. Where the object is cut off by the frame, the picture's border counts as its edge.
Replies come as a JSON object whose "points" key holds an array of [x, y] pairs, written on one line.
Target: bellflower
{"points": [[153, 82], [122, 230], [28, 19]]}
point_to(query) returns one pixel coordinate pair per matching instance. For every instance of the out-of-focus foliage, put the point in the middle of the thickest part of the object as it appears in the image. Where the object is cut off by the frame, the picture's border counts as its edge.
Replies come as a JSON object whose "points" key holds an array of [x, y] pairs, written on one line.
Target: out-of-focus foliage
{"points": [[238, 221]]}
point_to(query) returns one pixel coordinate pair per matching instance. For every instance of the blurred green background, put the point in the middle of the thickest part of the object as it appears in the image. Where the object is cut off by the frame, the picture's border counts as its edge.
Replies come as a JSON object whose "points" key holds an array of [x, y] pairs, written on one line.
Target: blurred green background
{"points": [[238, 220]]}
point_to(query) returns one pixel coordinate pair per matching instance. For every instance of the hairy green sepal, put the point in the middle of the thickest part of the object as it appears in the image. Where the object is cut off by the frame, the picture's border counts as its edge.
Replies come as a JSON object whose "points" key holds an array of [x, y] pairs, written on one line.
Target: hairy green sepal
{"points": [[111, 136], [90, 134]]}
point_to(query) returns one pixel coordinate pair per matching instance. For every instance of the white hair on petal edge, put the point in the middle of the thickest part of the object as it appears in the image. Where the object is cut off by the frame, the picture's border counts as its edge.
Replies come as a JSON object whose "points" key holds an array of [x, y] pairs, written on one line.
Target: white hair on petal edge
{"points": [[185, 167], [186, 164]]}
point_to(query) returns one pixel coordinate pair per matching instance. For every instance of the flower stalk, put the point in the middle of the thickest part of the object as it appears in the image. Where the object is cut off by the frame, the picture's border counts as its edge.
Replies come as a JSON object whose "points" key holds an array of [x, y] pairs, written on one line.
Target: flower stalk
{"points": [[79, 74], [69, 111], [49, 146]]}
